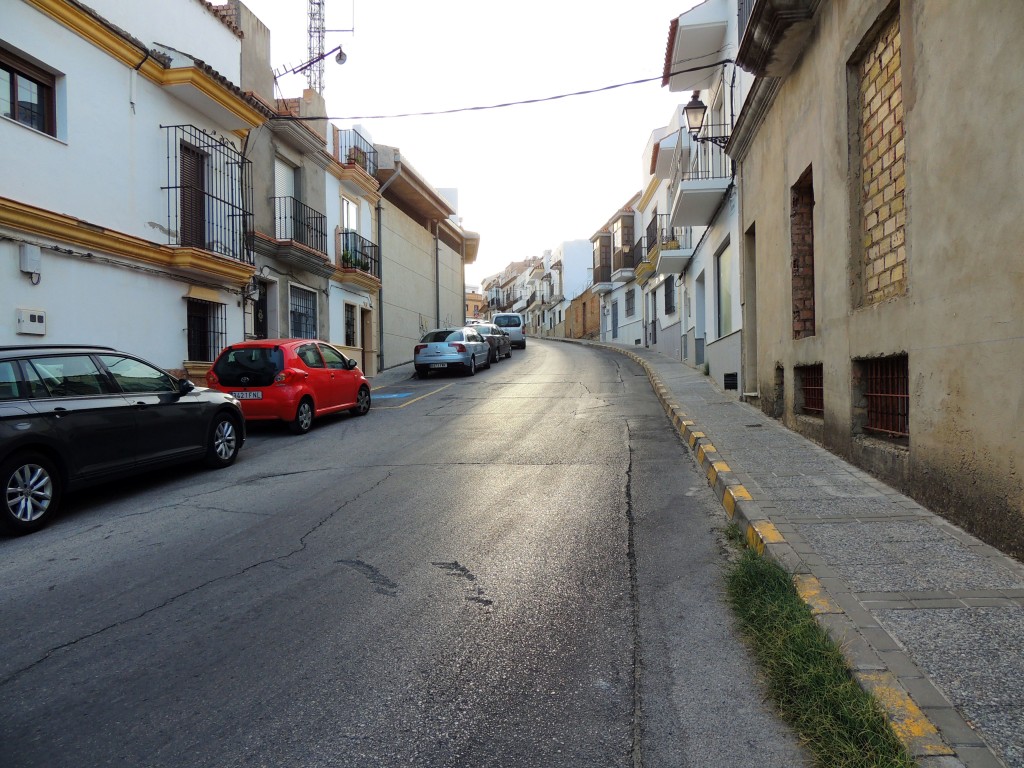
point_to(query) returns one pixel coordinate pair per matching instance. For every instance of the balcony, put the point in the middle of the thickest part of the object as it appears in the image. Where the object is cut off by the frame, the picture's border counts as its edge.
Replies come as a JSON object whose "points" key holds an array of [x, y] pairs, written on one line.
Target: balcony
{"points": [[642, 269], [209, 194], [623, 264], [669, 249], [602, 279], [354, 149], [703, 182], [358, 261], [695, 39], [773, 34]]}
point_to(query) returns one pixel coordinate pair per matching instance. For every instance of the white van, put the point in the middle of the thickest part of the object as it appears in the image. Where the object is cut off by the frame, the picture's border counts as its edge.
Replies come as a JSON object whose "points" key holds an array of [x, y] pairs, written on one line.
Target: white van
{"points": [[512, 324]]}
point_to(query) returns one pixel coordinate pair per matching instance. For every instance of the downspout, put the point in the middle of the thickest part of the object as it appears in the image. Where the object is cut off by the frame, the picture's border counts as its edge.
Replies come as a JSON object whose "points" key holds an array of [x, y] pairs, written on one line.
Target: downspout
{"points": [[380, 259], [437, 275]]}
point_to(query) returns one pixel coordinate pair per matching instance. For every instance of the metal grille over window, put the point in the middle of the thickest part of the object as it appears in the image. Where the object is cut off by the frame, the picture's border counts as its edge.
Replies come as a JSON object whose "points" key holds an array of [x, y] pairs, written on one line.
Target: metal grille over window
{"points": [[811, 380], [207, 323], [350, 325], [886, 387], [302, 309], [209, 193]]}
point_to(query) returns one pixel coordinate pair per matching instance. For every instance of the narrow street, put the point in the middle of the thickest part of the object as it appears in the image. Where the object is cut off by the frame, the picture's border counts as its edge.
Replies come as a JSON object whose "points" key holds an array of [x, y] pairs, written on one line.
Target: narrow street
{"points": [[520, 568]]}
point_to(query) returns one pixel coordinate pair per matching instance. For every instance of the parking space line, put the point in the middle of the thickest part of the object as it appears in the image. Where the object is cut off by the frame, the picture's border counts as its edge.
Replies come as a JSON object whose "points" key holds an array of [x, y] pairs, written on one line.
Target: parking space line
{"points": [[414, 400]]}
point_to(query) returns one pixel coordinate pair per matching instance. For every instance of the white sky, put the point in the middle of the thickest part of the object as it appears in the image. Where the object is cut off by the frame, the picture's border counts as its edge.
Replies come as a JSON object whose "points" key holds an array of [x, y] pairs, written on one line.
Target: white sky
{"points": [[528, 177]]}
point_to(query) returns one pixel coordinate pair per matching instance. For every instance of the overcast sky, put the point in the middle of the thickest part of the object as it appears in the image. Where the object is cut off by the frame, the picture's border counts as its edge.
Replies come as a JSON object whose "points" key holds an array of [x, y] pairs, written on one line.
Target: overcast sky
{"points": [[528, 177]]}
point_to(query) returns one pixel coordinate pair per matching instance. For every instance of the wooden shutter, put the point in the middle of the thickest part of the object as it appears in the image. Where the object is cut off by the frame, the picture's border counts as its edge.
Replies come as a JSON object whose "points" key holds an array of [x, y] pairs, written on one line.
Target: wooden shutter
{"points": [[192, 187]]}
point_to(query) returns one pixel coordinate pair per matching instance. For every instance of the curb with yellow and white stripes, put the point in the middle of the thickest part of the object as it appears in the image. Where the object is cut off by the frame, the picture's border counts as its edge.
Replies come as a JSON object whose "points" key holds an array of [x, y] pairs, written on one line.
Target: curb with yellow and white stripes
{"points": [[911, 724]]}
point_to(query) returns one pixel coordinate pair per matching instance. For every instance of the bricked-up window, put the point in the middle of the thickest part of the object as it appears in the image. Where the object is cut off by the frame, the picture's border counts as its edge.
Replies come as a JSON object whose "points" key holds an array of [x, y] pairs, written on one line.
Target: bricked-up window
{"points": [[882, 169], [801, 233], [810, 382], [884, 385]]}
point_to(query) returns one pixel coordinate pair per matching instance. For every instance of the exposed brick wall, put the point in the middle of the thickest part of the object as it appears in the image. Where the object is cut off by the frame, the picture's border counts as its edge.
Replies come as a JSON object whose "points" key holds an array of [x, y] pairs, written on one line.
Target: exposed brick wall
{"points": [[583, 320], [801, 229], [883, 217]]}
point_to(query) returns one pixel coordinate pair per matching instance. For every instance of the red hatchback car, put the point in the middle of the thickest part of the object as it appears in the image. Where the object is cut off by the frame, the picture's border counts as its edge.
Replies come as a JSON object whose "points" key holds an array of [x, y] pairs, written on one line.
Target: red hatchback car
{"points": [[291, 380]]}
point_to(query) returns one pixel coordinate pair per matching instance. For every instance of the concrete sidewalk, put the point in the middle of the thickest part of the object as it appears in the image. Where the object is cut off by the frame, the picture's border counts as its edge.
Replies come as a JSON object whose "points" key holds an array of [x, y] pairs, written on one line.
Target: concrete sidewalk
{"points": [[930, 619]]}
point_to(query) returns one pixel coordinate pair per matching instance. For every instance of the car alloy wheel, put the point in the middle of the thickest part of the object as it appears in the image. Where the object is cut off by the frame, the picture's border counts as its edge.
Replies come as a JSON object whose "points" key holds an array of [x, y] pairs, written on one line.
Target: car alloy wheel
{"points": [[31, 491], [224, 446], [362, 402]]}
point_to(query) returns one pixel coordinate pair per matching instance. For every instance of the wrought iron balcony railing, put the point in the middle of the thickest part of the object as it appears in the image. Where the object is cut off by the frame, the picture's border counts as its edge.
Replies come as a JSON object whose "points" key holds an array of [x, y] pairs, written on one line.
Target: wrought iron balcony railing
{"points": [[354, 149], [358, 253], [298, 222], [209, 193], [659, 234]]}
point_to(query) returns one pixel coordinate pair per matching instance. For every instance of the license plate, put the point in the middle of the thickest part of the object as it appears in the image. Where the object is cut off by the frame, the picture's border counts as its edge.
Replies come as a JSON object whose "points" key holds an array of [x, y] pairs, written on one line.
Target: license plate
{"points": [[248, 395], [439, 365]]}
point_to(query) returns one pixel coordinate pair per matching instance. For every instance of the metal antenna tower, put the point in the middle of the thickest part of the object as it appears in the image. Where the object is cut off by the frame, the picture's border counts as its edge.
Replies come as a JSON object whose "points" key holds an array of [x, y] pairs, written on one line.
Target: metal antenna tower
{"points": [[317, 33]]}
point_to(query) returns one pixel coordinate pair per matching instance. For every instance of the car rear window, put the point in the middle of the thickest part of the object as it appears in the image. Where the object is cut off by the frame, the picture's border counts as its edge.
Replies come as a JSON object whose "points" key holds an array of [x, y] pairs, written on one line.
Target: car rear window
{"points": [[508, 321], [258, 365], [435, 336]]}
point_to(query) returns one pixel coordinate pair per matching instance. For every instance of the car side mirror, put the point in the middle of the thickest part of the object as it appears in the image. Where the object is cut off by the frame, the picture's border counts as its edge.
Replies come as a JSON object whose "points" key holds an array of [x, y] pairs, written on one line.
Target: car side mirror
{"points": [[351, 364], [185, 386]]}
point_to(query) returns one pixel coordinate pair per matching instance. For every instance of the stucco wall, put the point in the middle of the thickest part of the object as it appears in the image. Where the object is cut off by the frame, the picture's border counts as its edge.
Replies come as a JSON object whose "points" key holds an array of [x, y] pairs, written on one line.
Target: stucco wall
{"points": [[957, 321]]}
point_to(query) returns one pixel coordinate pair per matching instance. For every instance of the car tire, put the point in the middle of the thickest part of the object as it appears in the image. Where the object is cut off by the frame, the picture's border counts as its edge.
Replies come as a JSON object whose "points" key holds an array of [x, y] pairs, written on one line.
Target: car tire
{"points": [[362, 402], [493, 357], [471, 368], [303, 420], [223, 443], [32, 489], [509, 353]]}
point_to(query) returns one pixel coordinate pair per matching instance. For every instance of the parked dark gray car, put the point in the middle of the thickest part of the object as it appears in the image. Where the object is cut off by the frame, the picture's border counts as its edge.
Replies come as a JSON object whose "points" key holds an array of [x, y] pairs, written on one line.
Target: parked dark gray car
{"points": [[72, 416], [501, 344]]}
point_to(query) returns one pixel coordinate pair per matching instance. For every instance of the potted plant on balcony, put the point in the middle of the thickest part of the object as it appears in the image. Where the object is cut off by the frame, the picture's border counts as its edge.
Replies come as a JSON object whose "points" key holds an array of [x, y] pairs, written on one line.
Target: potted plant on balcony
{"points": [[357, 156], [346, 260]]}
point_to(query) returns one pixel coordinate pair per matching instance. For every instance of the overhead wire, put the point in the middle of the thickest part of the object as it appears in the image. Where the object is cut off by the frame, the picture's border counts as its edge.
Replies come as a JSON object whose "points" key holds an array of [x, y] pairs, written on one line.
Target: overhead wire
{"points": [[503, 105]]}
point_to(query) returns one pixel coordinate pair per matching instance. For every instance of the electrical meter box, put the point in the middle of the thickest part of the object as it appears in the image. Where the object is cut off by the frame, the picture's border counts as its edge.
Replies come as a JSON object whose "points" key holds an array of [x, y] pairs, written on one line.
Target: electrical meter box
{"points": [[30, 258], [32, 321]]}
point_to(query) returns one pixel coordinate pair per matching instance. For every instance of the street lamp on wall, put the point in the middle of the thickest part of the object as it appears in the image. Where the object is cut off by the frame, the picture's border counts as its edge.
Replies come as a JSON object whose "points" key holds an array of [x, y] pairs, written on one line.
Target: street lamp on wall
{"points": [[695, 112]]}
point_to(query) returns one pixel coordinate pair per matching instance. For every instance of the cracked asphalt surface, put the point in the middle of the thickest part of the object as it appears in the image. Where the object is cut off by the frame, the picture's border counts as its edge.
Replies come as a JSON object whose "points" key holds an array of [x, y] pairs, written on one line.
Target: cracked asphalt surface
{"points": [[522, 569]]}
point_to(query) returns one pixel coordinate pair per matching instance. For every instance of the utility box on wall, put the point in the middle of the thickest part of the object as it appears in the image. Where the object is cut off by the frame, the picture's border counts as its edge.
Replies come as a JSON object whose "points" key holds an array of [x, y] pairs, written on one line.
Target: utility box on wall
{"points": [[32, 321]]}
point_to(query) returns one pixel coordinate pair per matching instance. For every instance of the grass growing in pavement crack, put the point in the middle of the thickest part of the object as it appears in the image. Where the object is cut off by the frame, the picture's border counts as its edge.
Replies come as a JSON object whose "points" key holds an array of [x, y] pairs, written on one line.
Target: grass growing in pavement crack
{"points": [[807, 676]]}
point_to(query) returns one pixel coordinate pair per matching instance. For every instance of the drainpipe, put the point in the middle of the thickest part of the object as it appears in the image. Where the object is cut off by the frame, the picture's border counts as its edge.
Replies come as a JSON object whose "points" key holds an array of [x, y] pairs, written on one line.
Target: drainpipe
{"points": [[380, 259], [437, 275]]}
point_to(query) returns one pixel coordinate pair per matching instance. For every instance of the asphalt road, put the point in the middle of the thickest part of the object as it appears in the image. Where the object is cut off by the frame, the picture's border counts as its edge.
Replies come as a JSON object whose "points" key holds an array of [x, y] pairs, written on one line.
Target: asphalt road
{"points": [[521, 568]]}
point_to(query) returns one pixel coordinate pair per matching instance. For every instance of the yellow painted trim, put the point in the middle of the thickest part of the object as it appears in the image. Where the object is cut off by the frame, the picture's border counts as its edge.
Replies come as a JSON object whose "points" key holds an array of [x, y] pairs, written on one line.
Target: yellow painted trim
{"points": [[911, 725], [813, 593], [95, 32], [213, 90], [355, 174], [356, 277], [694, 437], [717, 467], [66, 229], [652, 188]]}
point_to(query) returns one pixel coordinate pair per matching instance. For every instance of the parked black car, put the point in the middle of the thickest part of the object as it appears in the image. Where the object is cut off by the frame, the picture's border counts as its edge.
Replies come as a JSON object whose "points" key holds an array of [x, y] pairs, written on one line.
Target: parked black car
{"points": [[72, 416], [501, 344]]}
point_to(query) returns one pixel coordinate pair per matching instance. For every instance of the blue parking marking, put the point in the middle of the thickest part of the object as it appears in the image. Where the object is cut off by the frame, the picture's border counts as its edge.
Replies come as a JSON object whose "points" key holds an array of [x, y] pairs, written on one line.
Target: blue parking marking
{"points": [[391, 395]]}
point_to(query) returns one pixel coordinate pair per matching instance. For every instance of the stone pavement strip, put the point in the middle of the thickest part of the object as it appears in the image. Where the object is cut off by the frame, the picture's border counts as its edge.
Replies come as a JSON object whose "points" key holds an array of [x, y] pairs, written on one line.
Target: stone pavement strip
{"points": [[930, 619]]}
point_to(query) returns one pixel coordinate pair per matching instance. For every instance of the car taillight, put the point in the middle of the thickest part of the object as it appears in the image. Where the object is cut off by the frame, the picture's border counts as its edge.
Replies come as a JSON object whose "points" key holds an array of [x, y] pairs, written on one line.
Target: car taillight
{"points": [[457, 347], [289, 376], [419, 348]]}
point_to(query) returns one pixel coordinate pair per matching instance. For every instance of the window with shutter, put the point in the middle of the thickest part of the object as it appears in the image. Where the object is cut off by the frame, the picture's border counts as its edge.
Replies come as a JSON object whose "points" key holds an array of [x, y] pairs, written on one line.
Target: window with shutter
{"points": [[192, 182]]}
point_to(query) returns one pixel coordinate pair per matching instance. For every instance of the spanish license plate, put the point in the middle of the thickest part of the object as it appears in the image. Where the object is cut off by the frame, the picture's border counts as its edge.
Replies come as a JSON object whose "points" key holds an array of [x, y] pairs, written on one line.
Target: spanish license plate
{"points": [[248, 395], [439, 365]]}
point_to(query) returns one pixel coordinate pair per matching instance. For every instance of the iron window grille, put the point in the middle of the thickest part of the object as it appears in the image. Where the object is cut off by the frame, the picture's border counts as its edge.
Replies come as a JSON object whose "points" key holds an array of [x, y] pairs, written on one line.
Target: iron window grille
{"points": [[885, 383], [350, 325], [811, 381], [630, 302], [670, 294], [206, 324], [302, 311], [209, 193]]}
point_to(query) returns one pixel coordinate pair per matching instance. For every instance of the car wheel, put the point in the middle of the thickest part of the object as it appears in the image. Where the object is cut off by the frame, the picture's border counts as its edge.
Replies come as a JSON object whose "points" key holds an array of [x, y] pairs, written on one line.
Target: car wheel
{"points": [[303, 417], [471, 371], [32, 490], [223, 444], [362, 402]]}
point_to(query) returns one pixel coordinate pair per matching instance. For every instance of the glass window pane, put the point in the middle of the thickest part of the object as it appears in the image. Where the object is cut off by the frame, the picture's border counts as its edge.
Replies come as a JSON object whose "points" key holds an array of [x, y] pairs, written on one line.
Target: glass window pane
{"points": [[8, 381], [70, 376], [135, 376], [5, 93]]}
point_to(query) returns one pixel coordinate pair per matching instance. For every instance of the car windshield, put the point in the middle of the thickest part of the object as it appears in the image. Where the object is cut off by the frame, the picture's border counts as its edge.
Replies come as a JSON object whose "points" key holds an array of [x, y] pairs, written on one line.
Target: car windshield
{"points": [[436, 336], [508, 321], [249, 366]]}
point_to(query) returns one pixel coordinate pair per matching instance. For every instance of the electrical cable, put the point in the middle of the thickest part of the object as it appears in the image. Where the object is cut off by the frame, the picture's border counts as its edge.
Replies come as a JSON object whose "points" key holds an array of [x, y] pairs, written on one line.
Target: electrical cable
{"points": [[508, 103]]}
